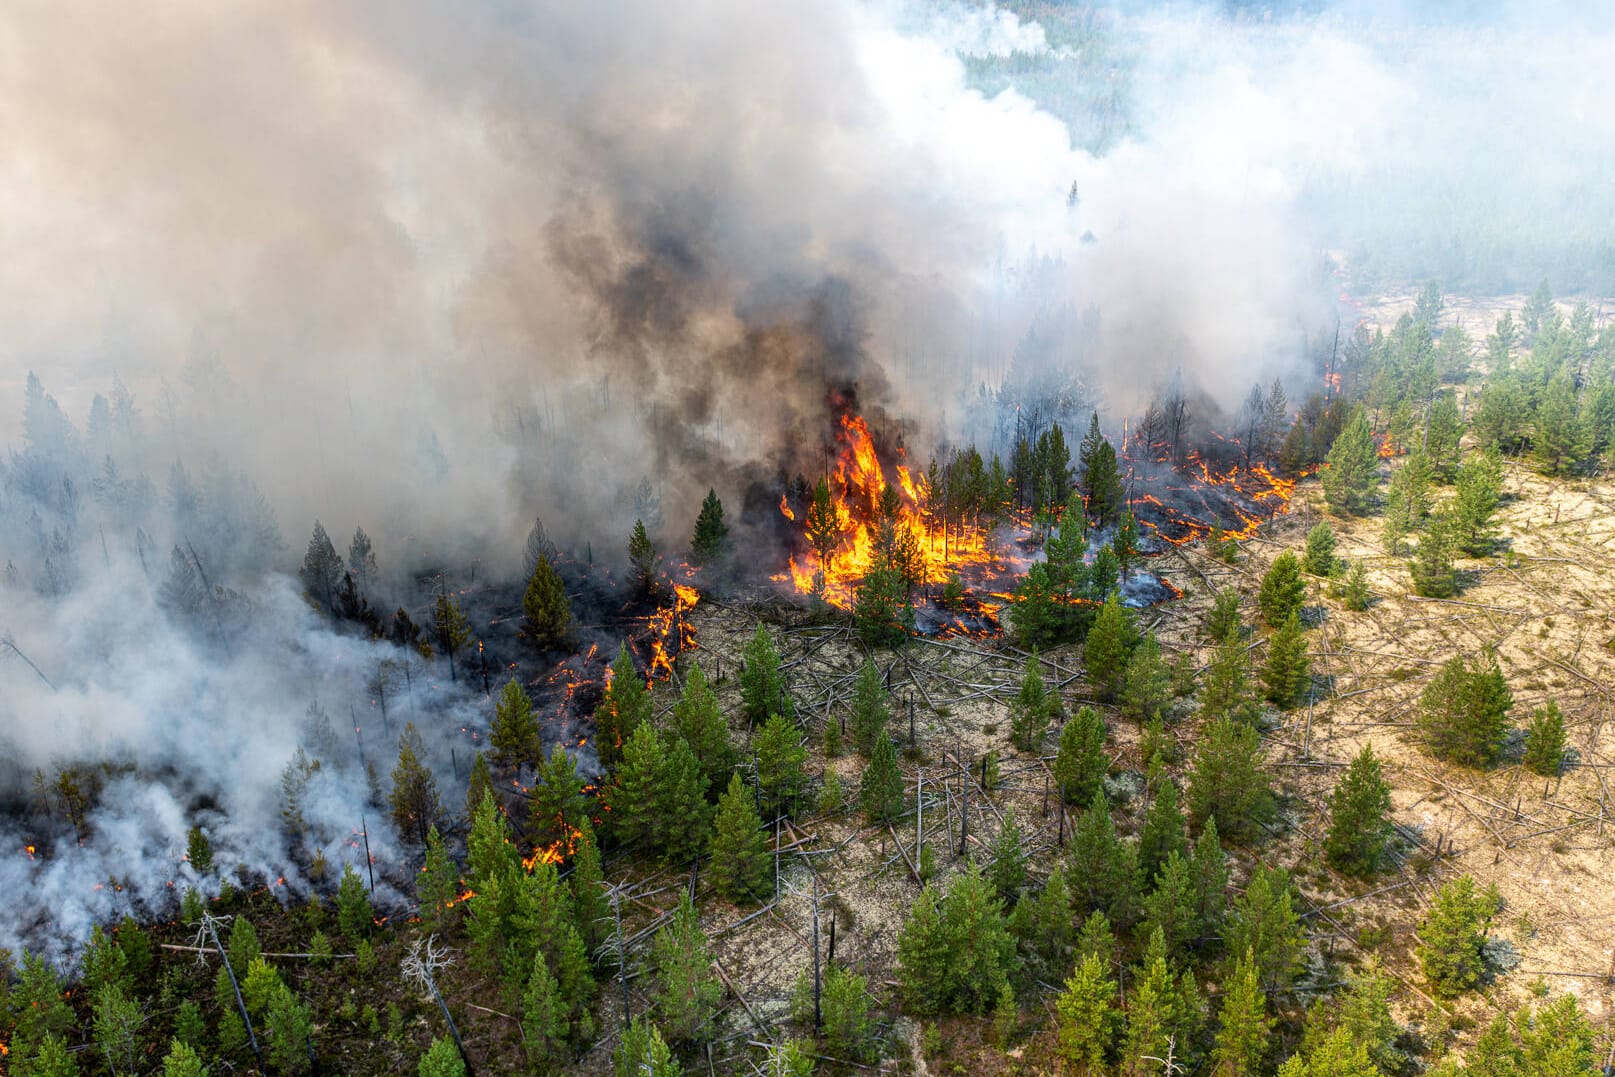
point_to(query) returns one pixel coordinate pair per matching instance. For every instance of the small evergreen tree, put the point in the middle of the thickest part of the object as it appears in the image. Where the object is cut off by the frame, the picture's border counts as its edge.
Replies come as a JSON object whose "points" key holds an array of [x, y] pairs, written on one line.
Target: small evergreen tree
{"points": [[1110, 642], [514, 734], [362, 562], [762, 685], [589, 904], [780, 756], [182, 1060], [437, 886], [1350, 476], [682, 818], [880, 790], [1223, 622], [709, 545], [1479, 488], [1463, 712], [1319, 558], [546, 611], [643, 1053], [870, 708], [823, 525], [451, 628], [1287, 672], [556, 808], [1169, 908], [1359, 817], [1263, 925], [643, 558], [544, 1016], [1354, 593], [625, 704], [1434, 575], [739, 868], [965, 932], [1243, 1036], [687, 989], [1227, 781], [1033, 708], [1452, 936], [697, 719], [442, 1059], [353, 909], [414, 800], [1080, 765], [634, 794], [1101, 871], [1147, 684], [1164, 832], [1545, 740], [1226, 691], [322, 569], [1284, 590], [199, 851], [1086, 1018], [881, 609], [1006, 870]]}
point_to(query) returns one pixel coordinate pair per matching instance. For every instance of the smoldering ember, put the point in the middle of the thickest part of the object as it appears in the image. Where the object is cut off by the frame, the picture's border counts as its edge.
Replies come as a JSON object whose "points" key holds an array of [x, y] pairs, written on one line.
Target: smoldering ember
{"points": [[875, 536]]}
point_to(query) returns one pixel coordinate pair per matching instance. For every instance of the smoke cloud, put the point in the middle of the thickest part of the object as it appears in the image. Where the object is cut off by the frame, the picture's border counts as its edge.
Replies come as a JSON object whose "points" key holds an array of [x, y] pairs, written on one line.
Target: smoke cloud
{"points": [[432, 269]]}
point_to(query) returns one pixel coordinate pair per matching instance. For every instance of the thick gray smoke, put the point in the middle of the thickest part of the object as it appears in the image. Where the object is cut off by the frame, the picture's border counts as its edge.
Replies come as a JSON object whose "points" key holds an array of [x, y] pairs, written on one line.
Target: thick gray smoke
{"points": [[433, 268]]}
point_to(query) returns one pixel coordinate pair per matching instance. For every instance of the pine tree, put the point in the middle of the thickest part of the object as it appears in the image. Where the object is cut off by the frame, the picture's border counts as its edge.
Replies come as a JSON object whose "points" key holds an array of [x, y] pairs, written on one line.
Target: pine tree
{"points": [[687, 990], [1350, 476], [1164, 832], [642, 557], [1101, 871], [1319, 558], [1124, 544], [1042, 922], [1359, 817], [1463, 712], [1086, 1018], [1210, 866], [1452, 935], [870, 709], [1147, 683], [544, 1023], [442, 1059], [697, 719], [1264, 926], [1110, 642], [1284, 590], [437, 886], [182, 1060], [489, 853], [480, 782], [102, 962], [923, 952], [823, 525], [780, 755], [1223, 622], [683, 818], [1545, 740], [1243, 1036], [881, 609], [1444, 431], [739, 868], [762, 685], [546, 611], [451, 628], [1034, 706], [643, 1053], [1479, 487], [625, 704], [1495, 1054], [557, 807], [880, 790], [414, 800], [1101, 477], [1227, 782], [1149, 1021], [1079, 768], [353, 907], [1434, 575], [982, 954], [1287, 672], [1225, 692], [322, 569], [709, 545], [1170, 909], [1558, 1041], [514, 735], [1363, 1011], [589, 905], [634, 795], [1006, 870], [1354, 593], [199, 851]]}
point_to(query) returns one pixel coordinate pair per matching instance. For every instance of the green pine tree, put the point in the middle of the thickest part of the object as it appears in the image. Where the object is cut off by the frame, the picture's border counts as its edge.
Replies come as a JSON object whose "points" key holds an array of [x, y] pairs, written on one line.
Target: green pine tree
{"points": [[544, 1017], [489, 853], [709, 545], [199, 851], [556, 808], [625, 704], [697, 719], [1284, 590], [643, 1053], [1227, 781], [739, 870], [1225, 692], [589, 904], [642, 557], [882, 611], [683, 818], [1147, 683], [1006, 870], [1170, 907], [1085, 1018], [546, 611], [1287, 673], [1463, 712], [353, 909], [1319, 558], [1545, 740], [1351, 472], [870, 708], [1164, 832], [1558, 1041], [437, 886], [480, 782], [442, 1059], [1223, 621], [1263, 924], [514, 735], [1033, 708], [633, 796], [1479, 488], [762, 686], [1354, 593], [1359, 817], [1080, 765], [1434, 575], [451, 629], [1452, 935], [1242, 1037], [414, 801], [1110, 643], [182, 1060], [880, 790], [688, 990], [1101, 870], [780, 756]]}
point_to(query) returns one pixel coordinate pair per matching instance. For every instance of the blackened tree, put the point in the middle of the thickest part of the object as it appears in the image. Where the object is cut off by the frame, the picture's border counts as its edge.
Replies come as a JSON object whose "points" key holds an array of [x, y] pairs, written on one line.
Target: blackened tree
{"points": [[321, 573]]}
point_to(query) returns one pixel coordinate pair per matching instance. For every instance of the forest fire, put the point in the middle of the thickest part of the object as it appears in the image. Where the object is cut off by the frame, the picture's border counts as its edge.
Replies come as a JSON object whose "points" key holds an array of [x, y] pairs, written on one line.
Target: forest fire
{"points": [[671, 632], [846, 532]]}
